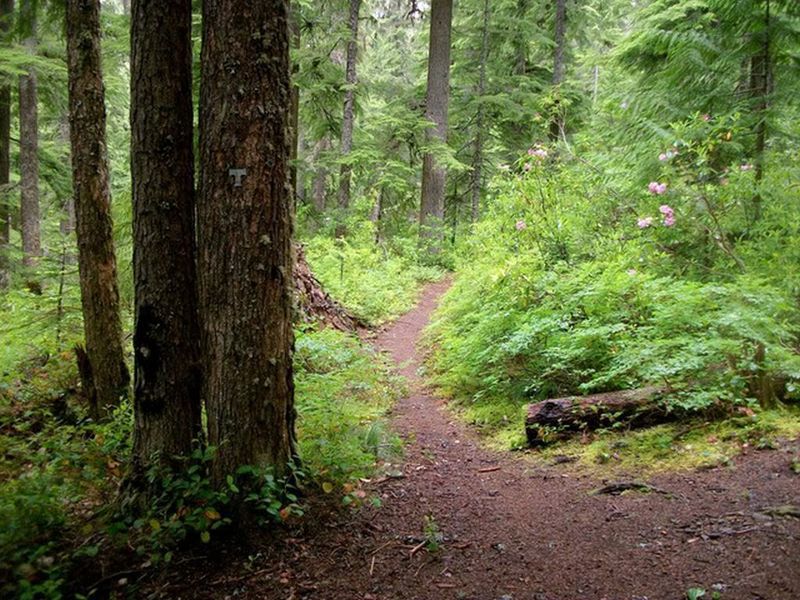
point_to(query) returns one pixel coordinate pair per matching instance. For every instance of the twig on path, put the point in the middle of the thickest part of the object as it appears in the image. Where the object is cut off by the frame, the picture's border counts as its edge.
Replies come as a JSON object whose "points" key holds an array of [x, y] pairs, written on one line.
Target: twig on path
{"points": [[372, 566], [242, 578], [382, 546], [417, 548], [489, 469]]}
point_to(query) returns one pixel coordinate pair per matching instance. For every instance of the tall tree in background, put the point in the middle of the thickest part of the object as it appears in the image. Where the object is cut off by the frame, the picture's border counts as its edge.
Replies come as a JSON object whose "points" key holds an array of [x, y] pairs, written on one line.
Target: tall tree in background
{"points": [[477, 156], [104, 373], [348, 118], [436, 104], [6, 17], [294, 117], [559, 65], [166, 375], [760, 88], [244, 234], [29, 141]]}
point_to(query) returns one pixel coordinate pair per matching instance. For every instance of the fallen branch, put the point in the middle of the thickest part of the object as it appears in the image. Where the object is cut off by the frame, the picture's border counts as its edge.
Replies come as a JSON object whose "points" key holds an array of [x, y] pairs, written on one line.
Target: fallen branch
{"points": [[616, 488]]}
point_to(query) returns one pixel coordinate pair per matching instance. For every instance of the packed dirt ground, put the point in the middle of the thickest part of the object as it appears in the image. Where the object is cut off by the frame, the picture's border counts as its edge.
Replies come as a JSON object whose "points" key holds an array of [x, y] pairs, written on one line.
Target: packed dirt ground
{"points": [[509, 528]]}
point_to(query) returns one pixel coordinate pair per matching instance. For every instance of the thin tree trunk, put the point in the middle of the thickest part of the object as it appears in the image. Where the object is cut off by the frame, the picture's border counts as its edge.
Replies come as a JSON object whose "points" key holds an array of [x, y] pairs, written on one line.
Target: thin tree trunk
{"points": [[244, 235], [294, 117], [29, 143], [320, 176], [67, 221], [760, 89], [477, 156], [520, 41], [6, 16], [167, 376], [348, 118], [433, 174], [96, 261], [557, 122]]}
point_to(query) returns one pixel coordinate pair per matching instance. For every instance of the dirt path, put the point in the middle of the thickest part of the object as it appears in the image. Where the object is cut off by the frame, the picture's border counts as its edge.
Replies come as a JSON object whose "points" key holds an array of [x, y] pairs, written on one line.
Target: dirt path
{"points": [[515, 531]]}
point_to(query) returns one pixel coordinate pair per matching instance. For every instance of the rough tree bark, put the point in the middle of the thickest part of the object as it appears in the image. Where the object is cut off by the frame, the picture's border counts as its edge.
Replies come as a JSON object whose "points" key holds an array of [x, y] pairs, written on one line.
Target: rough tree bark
{"points": [[477, 155], [244, 235], [559, 64], [6, 16], [107, 371], [29, 143], [348, 117], [431, 214], [167, 377]]}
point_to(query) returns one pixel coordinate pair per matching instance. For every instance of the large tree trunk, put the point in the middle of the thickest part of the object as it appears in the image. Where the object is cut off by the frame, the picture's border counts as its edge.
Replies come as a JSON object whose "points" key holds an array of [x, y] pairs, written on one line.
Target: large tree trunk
{"points": [[6, 16], [760, 89], [477, 155], [29, 143], [348, 118], [559, 64], [167, 377], [553, 420], [431, 215], [96, 260], [244, 235]]}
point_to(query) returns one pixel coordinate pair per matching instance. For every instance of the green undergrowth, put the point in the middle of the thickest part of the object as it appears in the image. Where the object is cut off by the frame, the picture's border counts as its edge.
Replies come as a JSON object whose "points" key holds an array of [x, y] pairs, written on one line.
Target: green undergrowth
{"points": [[692, 444], [61, 472], [375, 282]]}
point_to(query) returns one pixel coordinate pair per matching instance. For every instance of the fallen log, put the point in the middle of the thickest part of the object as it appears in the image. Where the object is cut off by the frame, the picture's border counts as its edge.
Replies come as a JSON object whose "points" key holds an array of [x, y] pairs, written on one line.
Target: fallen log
{"points": [[313, 304], [559, 418]]}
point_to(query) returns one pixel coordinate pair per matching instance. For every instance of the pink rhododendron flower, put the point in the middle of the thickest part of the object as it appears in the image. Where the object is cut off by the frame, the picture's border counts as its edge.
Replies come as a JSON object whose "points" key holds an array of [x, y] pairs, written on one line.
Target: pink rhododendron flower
{"points": [[706, 117], [538, 152], [657, 188], [520, 225], [632, 272], [663, 156], [644, 222], [527, 167], [669, 215], [746, 167]]}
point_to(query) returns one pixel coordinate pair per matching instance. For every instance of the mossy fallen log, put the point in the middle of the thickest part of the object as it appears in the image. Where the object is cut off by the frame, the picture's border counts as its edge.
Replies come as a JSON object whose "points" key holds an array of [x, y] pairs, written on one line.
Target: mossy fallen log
{"points": [[559, 418]]}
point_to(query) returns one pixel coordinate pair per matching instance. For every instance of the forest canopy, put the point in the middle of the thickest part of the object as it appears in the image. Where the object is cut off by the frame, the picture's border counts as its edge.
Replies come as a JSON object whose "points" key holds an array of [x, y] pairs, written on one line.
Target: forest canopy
{"points": [[612, 187]]}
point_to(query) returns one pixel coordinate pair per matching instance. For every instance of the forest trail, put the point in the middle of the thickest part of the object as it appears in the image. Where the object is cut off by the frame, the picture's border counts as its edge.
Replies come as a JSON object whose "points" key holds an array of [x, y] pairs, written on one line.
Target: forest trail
{"points": [[517, 530]]}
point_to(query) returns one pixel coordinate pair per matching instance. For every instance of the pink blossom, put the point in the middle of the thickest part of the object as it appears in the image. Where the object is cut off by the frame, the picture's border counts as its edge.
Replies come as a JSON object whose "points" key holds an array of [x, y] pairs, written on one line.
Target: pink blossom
{"points": [[657, 188], [644, 222], [669, 215], [520, 225], [746, 167], [538, 152], [663, 156], [527, 167], [706, 117], [632, 272]]}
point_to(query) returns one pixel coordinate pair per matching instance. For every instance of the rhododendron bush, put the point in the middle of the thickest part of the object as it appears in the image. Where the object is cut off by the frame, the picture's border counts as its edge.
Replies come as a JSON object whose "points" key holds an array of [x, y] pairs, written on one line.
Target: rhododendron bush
{"points": [[578, 281]]}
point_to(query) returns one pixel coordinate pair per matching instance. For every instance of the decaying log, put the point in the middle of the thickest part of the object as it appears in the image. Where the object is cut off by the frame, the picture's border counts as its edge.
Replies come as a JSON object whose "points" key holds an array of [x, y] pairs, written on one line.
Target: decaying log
{"points": [[556, 419], [313, 304]]}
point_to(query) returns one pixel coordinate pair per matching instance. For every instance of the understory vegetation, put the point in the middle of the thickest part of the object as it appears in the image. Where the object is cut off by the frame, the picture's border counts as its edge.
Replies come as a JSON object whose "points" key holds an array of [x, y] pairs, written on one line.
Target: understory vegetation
{"points": [[577, 283], [61, 471]]}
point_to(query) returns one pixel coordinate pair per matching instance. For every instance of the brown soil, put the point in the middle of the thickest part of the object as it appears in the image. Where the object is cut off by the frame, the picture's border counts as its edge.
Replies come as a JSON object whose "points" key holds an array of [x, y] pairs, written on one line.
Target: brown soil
{"points": [[515, 530]]}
